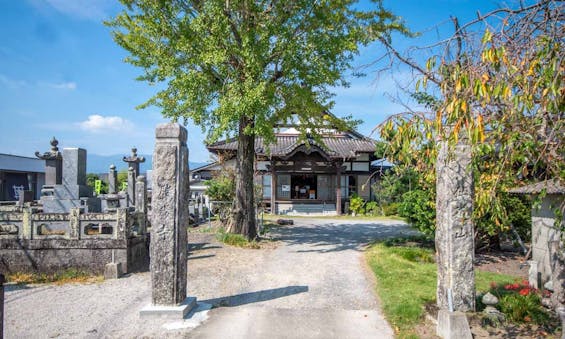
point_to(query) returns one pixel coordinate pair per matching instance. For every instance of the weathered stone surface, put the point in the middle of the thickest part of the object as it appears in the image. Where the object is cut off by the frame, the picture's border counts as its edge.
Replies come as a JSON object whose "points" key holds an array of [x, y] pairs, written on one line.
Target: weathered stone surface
{"points": [[53, 164], [545, 232], [131, 187], [113, 270], [133, 161], [90, 255], [169, 216], [493, 317], [74, 166], [112, 180], [141, 194], [557, 255], [53, 205], [74, 223], [9, 229], [489, 299], [548, 285], [454, 228], [453, 325], [111, 202], [171, 312]]}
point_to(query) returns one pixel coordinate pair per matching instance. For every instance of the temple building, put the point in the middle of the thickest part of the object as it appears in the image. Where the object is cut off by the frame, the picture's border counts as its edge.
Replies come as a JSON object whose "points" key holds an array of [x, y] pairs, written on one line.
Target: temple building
{"points": [[300, 176]]}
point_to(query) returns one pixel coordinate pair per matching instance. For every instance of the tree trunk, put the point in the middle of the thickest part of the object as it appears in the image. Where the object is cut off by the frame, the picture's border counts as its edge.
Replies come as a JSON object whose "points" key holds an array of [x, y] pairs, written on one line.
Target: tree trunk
{"points": [[243, 216]]}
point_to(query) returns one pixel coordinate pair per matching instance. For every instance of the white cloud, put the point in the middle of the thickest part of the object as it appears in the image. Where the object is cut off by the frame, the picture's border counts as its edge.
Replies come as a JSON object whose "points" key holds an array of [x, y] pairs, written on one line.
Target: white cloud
{"points": [[99, 124], [70, 86], [17, 83], [12, 83], [84, 9]]}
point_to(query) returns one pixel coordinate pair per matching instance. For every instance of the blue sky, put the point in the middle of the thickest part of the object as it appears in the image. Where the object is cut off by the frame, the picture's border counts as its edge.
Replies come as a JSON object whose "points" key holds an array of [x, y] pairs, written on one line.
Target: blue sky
{"points": [[62, 75]]}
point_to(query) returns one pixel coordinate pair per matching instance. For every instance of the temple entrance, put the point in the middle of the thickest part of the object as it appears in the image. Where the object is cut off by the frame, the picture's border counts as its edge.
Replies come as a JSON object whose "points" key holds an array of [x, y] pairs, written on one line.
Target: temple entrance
{"points": [[304, 186]]}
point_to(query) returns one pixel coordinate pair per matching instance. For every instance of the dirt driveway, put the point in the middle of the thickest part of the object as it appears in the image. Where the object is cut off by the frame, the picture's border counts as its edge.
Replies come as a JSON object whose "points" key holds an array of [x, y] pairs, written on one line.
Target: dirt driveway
{"points": [[311, 283]]}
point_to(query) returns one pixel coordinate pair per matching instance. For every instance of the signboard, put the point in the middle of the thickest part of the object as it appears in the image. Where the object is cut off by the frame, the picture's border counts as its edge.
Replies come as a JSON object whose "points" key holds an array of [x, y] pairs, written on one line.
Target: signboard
{"points": [[97, 186], [285, 188]]}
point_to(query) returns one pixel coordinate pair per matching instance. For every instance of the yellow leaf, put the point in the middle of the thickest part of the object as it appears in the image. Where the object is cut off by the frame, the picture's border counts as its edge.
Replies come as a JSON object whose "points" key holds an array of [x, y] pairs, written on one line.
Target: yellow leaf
{"points": [[464, 106]]}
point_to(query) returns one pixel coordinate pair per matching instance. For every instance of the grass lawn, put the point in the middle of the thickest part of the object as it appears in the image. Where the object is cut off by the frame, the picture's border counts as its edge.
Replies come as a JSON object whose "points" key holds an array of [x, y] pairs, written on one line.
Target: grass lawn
{"points": [[406, 279]]}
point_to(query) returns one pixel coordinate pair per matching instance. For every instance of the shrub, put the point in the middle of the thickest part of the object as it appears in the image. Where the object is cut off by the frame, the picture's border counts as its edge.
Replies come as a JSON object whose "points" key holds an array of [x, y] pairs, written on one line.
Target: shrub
{"points": [[372, 208], [221, 187], [419, 209], [356, 205], [390, 209]]}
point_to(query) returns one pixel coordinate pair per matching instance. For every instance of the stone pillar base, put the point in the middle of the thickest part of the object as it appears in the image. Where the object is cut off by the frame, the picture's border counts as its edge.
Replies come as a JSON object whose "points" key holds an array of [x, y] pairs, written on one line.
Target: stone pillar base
{"points": [[453, 325], [174, 312], [113, 270]]}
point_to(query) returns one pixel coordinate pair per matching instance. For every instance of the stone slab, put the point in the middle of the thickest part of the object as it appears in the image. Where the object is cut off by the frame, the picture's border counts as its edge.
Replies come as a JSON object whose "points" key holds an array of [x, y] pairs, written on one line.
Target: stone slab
{"points": [[113, 270], [453, 325], [52, 205], [74, 166], [176, 312], [71, 191]]}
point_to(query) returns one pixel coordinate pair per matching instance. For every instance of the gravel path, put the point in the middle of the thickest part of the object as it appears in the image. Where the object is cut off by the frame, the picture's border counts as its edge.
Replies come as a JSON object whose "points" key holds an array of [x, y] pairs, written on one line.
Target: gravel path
{"points": [[311, 283]]}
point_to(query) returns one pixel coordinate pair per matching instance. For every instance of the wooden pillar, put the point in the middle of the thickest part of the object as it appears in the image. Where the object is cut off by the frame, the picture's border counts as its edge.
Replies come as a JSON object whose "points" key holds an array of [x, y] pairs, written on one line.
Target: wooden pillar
{"points": [[273, 189], [338, 188]]}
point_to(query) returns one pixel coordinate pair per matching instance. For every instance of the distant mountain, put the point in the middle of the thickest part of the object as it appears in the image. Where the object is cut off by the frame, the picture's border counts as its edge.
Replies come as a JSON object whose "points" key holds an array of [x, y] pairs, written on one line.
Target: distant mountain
{"points": [[101, 163]]}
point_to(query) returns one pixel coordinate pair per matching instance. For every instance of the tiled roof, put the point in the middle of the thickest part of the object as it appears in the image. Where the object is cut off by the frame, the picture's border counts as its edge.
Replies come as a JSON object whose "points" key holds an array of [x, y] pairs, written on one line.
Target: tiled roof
{"points": [[343, 146], [550, 187]]}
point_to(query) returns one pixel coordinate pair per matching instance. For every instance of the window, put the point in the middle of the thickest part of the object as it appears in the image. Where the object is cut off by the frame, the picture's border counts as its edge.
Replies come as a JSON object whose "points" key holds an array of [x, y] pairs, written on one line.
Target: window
{"points": [[283, 186], [352, 185], [266, 186]]}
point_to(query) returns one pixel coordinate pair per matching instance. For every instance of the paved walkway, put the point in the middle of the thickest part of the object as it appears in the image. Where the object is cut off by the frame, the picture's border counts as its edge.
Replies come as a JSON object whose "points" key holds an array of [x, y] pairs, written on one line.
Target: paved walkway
{"points": [[313, 283]]}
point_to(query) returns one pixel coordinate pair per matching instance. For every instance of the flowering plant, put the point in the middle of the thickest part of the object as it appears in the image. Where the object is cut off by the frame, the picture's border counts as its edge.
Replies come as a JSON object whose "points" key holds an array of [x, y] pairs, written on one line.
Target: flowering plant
{"points": [[520, 302]]}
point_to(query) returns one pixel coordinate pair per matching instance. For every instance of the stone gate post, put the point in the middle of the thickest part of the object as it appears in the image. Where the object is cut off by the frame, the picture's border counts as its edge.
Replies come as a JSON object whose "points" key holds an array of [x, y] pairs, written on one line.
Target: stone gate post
{"points": [[2, 280], [454, 228], [169, 220]]}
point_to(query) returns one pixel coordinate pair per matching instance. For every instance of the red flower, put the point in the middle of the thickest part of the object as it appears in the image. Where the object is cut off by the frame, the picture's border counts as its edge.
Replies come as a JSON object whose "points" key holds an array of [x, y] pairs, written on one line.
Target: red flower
{"points": [[524, 291], [525, 283], [493, 284], [512, 287]]}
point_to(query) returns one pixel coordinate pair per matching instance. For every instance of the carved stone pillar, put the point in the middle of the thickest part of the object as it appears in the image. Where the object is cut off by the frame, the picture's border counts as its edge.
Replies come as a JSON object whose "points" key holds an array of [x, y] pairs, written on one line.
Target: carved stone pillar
{"points": [[169, 220], [454, 228]]}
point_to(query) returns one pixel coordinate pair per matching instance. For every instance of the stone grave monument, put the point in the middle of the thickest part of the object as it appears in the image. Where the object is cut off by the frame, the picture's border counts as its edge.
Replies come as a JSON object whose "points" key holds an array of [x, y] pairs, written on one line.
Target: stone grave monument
{"points": [[133, 162], [65, 186], [113, 199]]}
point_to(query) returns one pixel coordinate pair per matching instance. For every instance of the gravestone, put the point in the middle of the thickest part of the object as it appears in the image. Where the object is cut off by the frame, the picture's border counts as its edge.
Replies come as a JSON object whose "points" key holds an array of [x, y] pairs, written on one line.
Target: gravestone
{"points": [[73, 192], [133, 162], [141, 194], [169, 221], [131, 186], [114, 199], [53, 164], [454, 228], [112, 180]]}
